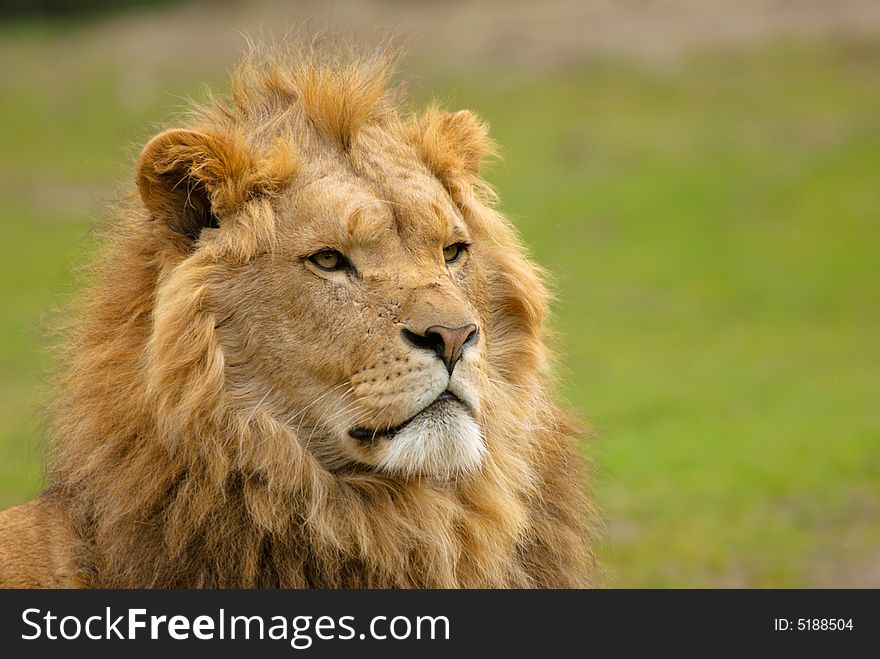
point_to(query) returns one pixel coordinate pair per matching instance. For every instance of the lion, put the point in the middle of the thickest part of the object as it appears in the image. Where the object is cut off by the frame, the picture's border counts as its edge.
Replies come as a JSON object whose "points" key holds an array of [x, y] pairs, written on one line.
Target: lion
{"points": [[314, 354]]}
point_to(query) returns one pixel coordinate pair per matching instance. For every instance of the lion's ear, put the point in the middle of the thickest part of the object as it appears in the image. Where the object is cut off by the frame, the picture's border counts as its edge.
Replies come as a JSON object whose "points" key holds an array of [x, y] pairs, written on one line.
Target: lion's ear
{"points": [[452, 144], [190, 179]]}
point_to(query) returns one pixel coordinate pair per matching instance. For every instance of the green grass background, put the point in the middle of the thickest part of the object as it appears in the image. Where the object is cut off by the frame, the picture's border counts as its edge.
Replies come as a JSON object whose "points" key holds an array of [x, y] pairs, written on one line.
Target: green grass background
{"points": [[713, 226]]}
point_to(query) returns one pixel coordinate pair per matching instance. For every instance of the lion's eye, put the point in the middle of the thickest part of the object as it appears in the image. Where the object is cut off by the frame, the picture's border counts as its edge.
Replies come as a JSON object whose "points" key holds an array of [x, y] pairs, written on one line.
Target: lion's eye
{"points": [[329, 259], [452, 252]]}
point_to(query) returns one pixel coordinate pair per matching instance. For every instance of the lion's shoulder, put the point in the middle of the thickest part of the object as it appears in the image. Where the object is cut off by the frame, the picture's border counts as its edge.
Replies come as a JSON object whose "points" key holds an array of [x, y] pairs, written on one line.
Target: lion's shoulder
{"points": [[37, 547]]}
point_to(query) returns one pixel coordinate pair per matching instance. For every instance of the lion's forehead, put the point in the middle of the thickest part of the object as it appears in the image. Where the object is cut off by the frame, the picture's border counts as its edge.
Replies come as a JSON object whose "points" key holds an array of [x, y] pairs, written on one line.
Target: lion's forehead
{"points": [[353, 210]]}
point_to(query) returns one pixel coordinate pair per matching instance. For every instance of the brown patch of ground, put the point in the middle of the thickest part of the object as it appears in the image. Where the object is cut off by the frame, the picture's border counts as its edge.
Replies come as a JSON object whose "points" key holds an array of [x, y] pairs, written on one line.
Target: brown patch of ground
{"points": [[511, 34]]}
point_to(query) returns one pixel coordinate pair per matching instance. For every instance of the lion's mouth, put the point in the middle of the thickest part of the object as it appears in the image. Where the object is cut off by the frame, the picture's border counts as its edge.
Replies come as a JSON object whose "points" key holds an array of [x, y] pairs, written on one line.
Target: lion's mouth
{"points": [[372, 435]]}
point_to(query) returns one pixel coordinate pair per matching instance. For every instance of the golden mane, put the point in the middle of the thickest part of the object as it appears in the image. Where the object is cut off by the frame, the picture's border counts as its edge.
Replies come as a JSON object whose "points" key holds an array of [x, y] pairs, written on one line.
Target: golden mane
{"points": [[172, 480]]}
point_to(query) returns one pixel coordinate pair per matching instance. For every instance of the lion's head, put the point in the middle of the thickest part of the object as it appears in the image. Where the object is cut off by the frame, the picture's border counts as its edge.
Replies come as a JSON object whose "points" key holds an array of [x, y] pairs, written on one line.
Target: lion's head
{"points": [[314, 318], [363, 317]]}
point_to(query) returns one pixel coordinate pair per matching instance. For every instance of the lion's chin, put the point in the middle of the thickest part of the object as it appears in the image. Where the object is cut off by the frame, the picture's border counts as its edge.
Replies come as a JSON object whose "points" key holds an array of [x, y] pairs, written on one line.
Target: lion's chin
{"points": [[443, 441]]}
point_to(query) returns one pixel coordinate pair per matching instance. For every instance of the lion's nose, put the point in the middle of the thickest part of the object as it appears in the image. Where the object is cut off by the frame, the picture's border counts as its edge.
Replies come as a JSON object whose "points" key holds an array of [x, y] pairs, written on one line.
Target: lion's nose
{"points": [[447, 342]]}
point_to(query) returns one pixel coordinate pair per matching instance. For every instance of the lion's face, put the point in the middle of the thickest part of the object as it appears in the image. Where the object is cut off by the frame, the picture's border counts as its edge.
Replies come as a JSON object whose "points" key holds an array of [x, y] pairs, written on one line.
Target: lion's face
{"points": [[362, 327]]}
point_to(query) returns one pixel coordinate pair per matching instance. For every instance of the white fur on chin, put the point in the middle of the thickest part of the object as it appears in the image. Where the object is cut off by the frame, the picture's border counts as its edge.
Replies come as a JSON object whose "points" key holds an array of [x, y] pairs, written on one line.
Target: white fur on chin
{"points": [[442, 442]]}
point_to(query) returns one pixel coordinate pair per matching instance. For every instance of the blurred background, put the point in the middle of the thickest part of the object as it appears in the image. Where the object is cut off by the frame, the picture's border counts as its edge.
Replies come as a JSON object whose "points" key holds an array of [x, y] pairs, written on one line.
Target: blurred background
{"points": [[702, 178]]}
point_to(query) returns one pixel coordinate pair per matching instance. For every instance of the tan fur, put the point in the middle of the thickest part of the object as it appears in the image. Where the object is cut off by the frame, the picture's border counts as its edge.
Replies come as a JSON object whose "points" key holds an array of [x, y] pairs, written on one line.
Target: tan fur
{"points": [[200, 432], [37, 543]]}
